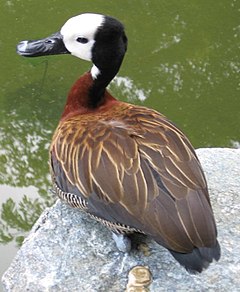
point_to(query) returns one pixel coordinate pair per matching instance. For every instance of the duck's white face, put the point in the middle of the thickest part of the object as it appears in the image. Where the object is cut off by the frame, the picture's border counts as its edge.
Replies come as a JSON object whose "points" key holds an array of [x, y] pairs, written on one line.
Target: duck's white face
{"points": [[78, 34]]}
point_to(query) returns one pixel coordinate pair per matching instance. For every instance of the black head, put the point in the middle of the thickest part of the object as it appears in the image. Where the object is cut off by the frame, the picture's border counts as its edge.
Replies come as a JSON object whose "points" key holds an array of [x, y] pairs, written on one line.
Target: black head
{"points": [[93, 37]]}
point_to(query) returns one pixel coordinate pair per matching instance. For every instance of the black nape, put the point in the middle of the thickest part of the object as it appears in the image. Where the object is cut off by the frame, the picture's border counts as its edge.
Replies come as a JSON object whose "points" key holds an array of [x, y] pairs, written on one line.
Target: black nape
{"points": [[107, 55]]}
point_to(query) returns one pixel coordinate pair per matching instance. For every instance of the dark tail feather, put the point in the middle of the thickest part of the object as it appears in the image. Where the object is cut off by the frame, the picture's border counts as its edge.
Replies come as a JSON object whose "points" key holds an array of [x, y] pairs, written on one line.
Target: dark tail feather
{"points": [[199, 259]]}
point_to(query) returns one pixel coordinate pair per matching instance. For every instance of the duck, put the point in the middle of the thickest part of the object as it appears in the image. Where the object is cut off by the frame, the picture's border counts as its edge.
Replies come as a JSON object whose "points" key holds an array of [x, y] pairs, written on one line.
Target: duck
{"points": [[127, 166]]}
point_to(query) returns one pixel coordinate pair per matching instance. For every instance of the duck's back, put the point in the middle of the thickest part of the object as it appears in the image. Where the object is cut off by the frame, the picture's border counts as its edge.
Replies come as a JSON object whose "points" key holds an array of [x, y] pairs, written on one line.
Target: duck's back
{"points": [[133, 168]]}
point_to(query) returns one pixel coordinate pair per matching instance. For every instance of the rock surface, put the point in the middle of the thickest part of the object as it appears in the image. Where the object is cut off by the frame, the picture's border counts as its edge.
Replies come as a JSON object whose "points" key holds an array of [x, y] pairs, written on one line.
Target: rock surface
{"points": [[68, 251]]}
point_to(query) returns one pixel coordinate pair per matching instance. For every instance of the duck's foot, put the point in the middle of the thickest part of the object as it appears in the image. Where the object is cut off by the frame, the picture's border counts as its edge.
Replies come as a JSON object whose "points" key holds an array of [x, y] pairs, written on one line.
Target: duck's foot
{"points": [[123, 243]]}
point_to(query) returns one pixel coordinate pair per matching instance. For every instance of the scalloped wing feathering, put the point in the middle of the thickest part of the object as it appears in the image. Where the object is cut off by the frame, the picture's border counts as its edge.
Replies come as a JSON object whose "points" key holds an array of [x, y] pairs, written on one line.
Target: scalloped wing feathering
{"points": [[137, 169]]}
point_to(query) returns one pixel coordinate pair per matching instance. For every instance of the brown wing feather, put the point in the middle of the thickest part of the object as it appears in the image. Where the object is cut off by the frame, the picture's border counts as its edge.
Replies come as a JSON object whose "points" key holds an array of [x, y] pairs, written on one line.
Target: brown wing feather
{"points": [[137, 169]]}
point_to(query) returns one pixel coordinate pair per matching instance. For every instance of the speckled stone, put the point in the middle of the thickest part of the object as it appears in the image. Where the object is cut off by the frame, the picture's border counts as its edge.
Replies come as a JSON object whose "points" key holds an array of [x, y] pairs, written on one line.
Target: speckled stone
{"points": [[68, 251]]}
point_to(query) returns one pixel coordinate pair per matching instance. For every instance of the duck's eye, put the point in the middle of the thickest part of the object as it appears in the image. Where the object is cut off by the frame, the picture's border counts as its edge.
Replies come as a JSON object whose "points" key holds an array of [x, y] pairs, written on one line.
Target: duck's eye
{"points": [[82, 40]]}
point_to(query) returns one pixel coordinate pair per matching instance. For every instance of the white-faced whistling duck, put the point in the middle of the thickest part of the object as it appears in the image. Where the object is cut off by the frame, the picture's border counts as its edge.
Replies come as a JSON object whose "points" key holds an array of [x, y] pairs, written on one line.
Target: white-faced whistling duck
{"points": [[127, 166]]}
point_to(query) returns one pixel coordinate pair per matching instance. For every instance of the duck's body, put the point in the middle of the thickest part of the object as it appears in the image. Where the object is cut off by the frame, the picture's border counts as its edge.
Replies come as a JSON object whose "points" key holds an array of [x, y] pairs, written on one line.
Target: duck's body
{"points": [[128, 166]]}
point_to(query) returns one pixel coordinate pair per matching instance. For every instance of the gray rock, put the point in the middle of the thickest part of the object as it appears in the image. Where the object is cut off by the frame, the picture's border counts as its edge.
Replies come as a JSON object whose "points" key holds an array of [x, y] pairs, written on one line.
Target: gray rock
{"points": [[68, 251]]}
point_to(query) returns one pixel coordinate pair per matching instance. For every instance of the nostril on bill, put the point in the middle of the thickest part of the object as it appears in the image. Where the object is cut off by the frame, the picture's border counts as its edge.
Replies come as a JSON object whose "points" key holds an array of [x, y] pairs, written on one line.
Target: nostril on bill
{"points": [[49, 41]]}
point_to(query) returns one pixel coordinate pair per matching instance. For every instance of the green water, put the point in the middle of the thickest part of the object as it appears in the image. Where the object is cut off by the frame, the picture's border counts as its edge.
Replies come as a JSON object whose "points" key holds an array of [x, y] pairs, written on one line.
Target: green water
{"points": [[182, 59]]}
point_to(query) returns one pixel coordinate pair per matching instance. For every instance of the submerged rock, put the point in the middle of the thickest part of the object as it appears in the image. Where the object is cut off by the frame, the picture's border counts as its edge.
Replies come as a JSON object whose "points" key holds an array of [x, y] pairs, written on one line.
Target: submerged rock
{"points": [[68, 251]]}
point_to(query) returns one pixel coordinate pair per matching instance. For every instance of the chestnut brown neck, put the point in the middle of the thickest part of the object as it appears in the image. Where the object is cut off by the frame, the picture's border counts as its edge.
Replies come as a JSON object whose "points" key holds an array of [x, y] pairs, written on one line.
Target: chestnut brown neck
{"points": [[81, 100]]}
